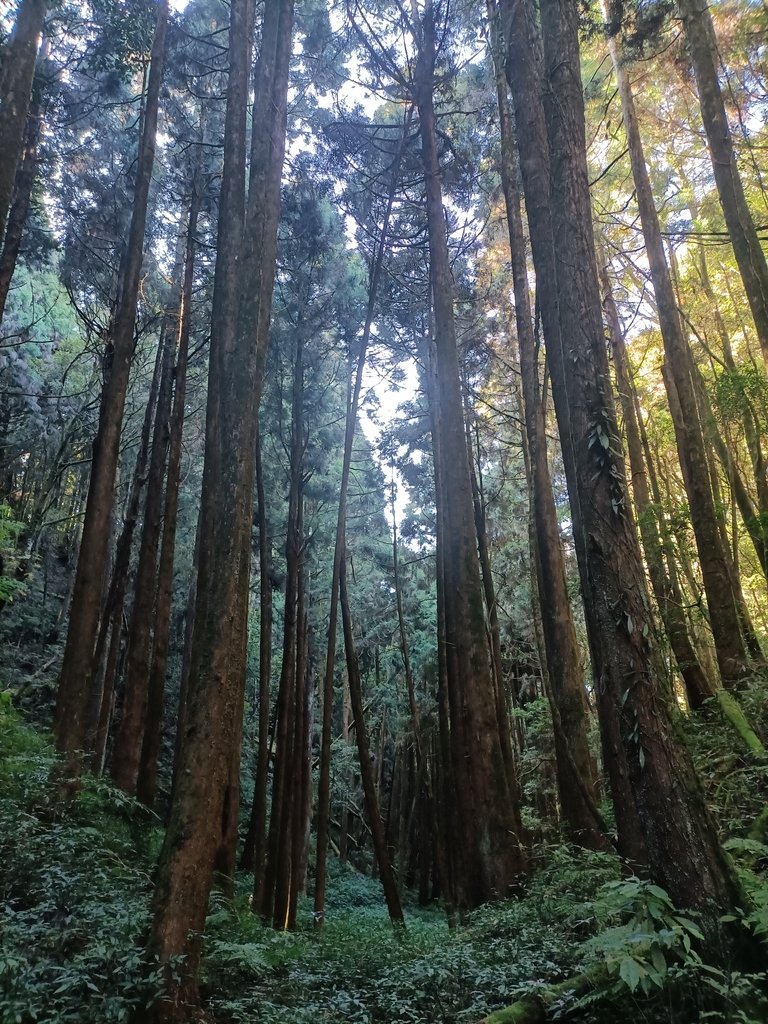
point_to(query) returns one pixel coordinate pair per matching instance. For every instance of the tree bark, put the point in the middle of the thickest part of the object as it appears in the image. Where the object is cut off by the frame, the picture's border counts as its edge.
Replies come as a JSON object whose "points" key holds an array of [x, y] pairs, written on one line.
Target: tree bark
{"points": [[203, 797], [150, 751], [575, 769], [16, 76], [126, 757], [488, 813], [76, 671], [750, 258], [723, 613], [698, 686], [524, 68], [684, 851], [26, 174], [386, 873]]}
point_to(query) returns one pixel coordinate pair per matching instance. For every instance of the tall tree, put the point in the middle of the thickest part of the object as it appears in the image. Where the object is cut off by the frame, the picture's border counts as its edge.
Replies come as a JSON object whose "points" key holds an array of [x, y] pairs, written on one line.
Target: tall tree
{"points": [[77, 667], [683, 847], [723, 612], [750, 258], [16, 75], [206, 788], [489, 827]]}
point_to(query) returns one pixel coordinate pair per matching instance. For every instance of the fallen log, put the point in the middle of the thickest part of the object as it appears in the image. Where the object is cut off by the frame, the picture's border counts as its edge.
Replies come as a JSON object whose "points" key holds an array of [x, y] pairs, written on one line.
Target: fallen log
{"points": [[532, 1008]]}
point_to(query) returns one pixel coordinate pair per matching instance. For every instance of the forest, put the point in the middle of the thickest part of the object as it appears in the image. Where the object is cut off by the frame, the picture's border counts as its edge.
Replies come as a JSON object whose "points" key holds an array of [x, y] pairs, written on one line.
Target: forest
{"points": [[383, 511]]}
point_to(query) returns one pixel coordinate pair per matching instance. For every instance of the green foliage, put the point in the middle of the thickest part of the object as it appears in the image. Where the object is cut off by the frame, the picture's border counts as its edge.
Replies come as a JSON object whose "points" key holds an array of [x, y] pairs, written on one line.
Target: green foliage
{"points": [[75, 891]]}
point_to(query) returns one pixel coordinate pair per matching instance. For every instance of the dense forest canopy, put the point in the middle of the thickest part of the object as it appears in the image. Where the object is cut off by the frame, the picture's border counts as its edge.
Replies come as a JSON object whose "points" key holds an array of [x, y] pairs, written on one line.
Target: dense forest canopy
{"points": [[383, 511]]}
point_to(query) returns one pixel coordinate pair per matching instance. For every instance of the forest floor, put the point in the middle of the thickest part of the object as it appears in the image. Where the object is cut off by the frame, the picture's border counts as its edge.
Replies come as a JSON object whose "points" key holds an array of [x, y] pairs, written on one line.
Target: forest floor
{"points": [[75, 887]]}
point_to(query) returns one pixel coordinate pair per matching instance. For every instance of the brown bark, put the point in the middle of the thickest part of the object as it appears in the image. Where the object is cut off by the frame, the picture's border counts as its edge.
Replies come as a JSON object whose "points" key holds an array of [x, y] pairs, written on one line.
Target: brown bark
{"points": [[353, 401], [750, 258], [24, 182], [487, 811], [206, 780], [698, 686], [723, 613], [255, 846], [575, 769], [386, 873], [684, 852], [524, 68], [147, 778], [276, 894], [126, 756], [104, 674], [16, 76], [76, 671]]}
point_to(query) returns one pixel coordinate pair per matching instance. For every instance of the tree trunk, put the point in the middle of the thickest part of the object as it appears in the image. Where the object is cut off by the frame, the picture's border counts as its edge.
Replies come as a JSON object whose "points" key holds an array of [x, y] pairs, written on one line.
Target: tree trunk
{"points": [[685, 855], [150, 751], [353, 401], [524, 68], [76, 671], [731, 654], [750, 258], [210, 746], [126, 757], [386, 873], [26, 174], [578, 797], [255, 846], [488, 813], [698, 686], [16, 76]]}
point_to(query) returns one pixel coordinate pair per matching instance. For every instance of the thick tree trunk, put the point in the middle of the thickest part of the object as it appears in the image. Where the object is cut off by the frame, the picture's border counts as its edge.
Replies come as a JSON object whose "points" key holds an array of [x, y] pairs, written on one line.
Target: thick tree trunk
{"points": [[16, 76], [524, 72], [76, 671], [488, 813], [750, 258], [684, 851], [150, 750], [723, 613], [578, 797], [210, 748], [26, 174]]}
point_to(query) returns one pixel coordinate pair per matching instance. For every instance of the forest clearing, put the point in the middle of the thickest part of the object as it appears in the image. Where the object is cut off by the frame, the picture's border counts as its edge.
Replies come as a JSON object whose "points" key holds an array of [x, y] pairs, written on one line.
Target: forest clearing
{"points": [[383, 511]]}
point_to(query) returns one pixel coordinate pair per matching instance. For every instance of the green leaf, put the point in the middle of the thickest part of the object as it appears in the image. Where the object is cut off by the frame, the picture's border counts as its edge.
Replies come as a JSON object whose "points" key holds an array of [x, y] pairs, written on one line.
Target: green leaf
{"points": [[631, 971]]}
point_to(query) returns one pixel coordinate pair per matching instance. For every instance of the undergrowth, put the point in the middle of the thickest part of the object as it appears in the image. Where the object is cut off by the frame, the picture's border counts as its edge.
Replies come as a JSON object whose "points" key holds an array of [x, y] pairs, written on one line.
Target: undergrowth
{"points": [[75, 884]]}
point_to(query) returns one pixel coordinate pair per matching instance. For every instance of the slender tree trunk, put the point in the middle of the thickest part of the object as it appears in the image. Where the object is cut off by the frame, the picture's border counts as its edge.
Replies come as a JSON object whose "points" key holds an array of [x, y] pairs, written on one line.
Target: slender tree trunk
{"points": [[353, 400], [698, 686], [386, 873], [488, 812], [104, 679], [206, 780], [255, 847], [76, 671], [130, 734], [750, 258], [276, 896], [684, 852], [150, 751], [731, 654], [16, 76], [524, 68]]}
